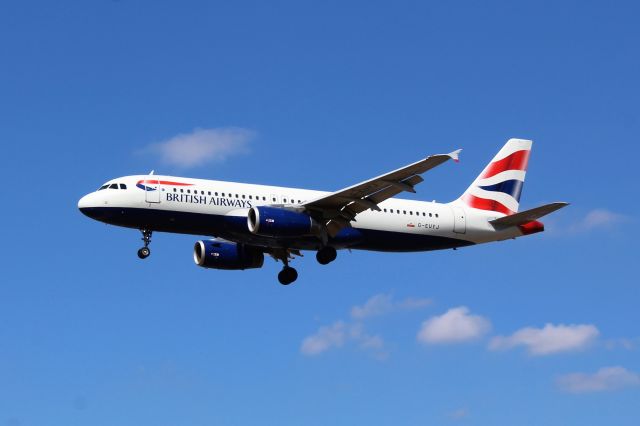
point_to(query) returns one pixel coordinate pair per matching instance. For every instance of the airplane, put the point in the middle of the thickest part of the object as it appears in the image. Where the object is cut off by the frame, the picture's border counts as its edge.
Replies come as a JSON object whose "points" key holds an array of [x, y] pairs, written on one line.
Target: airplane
{"points": [[247, 221]]}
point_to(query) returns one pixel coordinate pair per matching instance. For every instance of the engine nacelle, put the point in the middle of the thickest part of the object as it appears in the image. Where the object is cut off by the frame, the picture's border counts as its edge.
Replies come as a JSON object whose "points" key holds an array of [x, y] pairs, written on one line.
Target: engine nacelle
{"points": [[223, 255], [279, 222]]}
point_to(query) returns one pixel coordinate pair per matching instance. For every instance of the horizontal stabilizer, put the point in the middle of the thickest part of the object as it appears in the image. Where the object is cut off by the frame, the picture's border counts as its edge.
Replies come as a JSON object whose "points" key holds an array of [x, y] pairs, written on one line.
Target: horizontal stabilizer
{"points": [[528, 215]]}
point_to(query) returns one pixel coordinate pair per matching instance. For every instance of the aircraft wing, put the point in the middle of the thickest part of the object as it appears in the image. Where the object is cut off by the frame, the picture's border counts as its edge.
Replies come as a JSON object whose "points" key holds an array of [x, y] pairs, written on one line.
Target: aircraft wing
{"points": [[338, 209]]}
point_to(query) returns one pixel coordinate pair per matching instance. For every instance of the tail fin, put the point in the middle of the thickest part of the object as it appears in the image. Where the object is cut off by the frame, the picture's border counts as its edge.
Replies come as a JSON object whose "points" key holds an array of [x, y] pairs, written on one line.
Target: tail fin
{"points": [[499, 186]]}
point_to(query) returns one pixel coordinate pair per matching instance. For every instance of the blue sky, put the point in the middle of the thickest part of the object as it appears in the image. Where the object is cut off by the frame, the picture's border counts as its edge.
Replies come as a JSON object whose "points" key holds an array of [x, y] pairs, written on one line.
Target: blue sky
{"points": [[323, 95]]}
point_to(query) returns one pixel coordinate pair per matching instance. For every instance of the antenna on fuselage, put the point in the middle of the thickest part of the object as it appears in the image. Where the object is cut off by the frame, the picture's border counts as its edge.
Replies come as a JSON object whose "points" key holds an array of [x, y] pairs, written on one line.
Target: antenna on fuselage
{"points": [[151, 172]]}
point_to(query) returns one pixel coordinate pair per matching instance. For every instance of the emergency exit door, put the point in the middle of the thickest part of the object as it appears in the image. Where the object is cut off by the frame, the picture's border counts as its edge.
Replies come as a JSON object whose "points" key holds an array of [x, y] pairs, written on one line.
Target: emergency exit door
{"points": [[459, 220]]}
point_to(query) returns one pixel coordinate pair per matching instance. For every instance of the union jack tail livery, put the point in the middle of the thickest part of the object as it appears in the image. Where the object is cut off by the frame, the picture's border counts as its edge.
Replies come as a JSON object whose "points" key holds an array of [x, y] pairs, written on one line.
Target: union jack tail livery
{"points": [[499, 186]]}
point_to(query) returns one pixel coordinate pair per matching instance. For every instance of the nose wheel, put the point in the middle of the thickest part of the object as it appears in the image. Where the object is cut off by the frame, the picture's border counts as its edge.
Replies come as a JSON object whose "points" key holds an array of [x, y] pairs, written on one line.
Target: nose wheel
{"points": [[144, 252]]}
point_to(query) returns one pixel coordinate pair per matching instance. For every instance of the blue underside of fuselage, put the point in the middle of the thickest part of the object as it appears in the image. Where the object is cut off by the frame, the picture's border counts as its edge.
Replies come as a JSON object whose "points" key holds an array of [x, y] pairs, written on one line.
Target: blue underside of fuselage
{"points": [[234, 228]]}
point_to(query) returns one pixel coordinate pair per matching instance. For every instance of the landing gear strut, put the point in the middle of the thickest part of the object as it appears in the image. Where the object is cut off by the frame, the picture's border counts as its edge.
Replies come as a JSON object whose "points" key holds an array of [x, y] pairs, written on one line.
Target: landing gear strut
{"points": [[144, 252], [326, 255]]}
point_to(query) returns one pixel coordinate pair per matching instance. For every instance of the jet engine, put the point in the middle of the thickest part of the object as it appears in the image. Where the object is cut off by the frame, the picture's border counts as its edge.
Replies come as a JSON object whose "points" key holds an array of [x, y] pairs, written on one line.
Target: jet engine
{"points": [[279, 222], [224, 255]]}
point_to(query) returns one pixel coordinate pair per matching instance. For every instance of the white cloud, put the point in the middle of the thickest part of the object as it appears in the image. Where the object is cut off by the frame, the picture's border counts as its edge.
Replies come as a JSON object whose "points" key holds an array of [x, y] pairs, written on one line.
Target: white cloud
{"points": [[414, 303], [381, 304], [454, 326], [623, 343], [338, 334], [201, 146], [325, 338], [548, 340], [353, 332], [605, 379], [376, 305], [598, 219]]}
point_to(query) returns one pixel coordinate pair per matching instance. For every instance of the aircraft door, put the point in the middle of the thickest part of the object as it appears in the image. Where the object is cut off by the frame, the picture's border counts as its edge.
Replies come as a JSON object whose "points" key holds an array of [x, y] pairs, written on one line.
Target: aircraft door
{"points": [[152, 189], [459, 220]]}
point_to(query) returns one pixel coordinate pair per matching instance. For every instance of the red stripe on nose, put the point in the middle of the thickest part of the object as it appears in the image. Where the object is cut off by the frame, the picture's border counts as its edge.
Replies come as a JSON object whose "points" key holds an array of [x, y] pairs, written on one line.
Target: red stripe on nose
{"points": [[165, 182]]}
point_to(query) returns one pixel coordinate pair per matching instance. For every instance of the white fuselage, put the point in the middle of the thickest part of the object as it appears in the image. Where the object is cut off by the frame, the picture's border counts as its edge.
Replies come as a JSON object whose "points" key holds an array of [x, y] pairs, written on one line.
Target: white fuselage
{"points": [[219, 209]]}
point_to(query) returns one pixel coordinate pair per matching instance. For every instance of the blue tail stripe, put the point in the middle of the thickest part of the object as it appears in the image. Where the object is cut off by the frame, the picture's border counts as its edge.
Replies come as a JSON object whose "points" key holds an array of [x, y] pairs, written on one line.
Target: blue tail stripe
{"points": [[512, 187]]}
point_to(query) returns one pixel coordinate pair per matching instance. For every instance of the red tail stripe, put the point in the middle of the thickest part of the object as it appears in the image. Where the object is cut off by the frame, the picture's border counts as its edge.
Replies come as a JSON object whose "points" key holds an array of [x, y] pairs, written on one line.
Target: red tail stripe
{"points": [[516, 161], [486, 204]]}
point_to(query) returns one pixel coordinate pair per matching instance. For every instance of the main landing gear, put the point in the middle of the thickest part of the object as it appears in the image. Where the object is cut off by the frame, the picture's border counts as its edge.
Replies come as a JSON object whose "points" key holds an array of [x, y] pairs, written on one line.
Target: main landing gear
{"points": [[284, 255], [144, 252], [326, 255], [287, 275]]}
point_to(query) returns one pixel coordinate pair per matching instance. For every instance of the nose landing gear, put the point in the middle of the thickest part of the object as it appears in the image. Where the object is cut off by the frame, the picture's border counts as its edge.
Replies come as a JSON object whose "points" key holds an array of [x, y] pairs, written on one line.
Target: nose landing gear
{"points": [[144, 252]]}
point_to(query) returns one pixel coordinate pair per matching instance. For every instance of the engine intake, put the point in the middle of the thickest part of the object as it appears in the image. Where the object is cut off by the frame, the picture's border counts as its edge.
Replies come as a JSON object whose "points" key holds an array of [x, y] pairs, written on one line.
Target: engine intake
{"points": [[223, 255], [279, 222]]}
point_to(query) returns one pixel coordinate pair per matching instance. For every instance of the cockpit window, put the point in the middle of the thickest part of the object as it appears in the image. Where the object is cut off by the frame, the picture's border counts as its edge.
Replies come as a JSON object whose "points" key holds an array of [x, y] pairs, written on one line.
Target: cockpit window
{"points": [[123, 186], [103, 187], [113, 186]]}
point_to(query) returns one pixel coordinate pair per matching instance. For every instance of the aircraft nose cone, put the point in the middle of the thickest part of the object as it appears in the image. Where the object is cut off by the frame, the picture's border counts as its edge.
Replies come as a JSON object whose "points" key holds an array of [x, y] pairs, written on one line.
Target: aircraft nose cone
{"points": [[83, 203], [88, 207]]}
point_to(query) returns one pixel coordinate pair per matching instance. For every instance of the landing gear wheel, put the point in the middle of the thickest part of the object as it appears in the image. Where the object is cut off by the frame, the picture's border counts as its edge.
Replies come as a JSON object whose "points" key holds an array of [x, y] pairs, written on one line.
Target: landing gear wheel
{"points": [[144, 252], [287, 275], [326, 255]]}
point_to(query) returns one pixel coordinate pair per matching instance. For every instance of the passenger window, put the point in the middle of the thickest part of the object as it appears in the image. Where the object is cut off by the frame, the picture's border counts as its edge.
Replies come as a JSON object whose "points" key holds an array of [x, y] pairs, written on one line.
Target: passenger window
{"points": [[208, 192], [430, 215], [216, 193], [251, 197], [391, 210], [236, 195], [188, 191], [436, 214], [284, 200], [264, 198], [404, 212], [223, 194], [411, 213], [123, 186], [398, 211], [113, 186], [201, 192], [181, 190], [243, 196], [175, 190], [424, 214]]}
